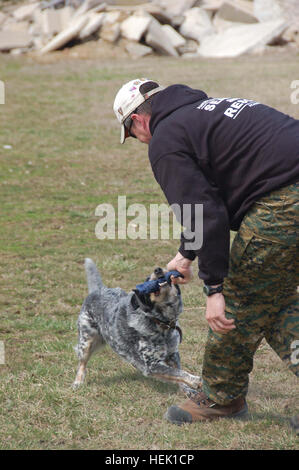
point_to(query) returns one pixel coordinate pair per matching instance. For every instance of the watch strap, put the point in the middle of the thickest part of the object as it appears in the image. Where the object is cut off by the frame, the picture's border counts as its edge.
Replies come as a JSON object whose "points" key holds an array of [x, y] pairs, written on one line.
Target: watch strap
{"points": [[209, 290]]}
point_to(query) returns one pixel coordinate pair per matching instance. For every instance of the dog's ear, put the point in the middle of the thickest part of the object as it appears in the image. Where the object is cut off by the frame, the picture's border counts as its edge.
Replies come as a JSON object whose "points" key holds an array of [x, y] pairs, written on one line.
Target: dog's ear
{"points": [[134, 301], [142, 301], [178, 289]]}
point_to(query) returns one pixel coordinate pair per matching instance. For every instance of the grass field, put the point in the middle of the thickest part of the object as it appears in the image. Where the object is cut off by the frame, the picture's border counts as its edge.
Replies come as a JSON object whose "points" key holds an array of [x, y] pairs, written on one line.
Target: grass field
{"points": [[63, 161]]}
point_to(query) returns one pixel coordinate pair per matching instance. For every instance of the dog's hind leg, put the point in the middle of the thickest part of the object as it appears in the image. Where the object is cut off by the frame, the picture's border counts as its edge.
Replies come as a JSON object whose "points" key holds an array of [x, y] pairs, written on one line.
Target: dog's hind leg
{"points": [[89, 341]]}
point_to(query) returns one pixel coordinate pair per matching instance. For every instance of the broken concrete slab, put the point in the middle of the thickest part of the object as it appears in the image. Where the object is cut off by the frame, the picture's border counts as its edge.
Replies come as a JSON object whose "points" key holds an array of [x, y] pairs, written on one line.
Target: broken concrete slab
{"points": [[35, 30], [158, 39], [22, 26], [25, 12], [18, 51], [291, 34], [14, 40], [67, 35], [110, 32], [135, 26], [112, 17], [267, 10], [182, 24], [89, 5], [37, 17], [211, 6], [175, 7], [190, 47], [163, 16], [39, 42], [137, 50], [221, 25], [197, 24], [2, 18], [50, 21], [95, 21], [240, 11], [176, 39], [241, 39], [66, 16]]}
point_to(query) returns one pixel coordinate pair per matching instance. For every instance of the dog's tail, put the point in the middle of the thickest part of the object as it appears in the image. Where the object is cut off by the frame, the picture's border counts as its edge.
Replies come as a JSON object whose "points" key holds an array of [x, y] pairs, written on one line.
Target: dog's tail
{"points": [[94, 280]]}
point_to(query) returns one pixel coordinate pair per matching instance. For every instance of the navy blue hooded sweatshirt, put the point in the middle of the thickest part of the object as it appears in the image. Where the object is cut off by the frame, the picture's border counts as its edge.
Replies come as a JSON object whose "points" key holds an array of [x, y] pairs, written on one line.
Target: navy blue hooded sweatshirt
{"points": [[223, 153]]}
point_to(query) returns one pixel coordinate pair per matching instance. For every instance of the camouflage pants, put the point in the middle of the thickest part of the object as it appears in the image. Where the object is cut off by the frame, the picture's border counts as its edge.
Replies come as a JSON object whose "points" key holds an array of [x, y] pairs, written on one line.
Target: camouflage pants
{"points": [[260, 294]]}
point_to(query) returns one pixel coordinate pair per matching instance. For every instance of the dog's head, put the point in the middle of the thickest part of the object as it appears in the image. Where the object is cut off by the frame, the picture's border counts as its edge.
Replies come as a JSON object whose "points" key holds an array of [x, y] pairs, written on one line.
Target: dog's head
{"points": [[165, 302]]}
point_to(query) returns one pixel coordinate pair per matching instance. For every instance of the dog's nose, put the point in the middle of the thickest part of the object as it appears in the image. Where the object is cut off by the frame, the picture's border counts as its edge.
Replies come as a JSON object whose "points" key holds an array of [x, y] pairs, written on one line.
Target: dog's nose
{"points": [[159, 272]]}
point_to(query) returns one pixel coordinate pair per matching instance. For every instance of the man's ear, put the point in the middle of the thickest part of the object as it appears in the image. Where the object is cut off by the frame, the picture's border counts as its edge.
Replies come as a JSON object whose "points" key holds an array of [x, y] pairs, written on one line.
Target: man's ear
{"points": [[139, 119], [135, 117]]}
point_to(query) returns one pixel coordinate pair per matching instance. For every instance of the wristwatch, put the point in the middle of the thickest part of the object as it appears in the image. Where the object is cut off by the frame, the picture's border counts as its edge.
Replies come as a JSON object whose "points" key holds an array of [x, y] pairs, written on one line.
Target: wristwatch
{"points": [[209, 290]]}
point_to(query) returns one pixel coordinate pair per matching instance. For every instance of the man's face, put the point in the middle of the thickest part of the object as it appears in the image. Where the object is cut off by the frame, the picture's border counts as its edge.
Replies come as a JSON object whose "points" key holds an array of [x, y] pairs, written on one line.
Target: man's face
{"points": [[140, 128]]}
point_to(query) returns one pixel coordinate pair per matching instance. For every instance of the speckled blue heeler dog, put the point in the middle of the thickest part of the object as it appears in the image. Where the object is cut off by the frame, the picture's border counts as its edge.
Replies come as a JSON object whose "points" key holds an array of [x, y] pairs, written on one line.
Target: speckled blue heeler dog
{"points": [[140, 327]]}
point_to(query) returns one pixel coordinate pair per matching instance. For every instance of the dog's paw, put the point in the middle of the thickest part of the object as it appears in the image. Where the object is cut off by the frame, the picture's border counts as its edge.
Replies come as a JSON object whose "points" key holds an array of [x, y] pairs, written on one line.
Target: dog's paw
{"points": [[195, 382], [76, 385], [188, 391]]}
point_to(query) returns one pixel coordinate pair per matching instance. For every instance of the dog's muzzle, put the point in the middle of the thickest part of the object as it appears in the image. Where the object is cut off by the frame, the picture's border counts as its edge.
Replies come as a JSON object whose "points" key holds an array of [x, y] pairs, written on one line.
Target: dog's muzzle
{"points": [[148, 287]]}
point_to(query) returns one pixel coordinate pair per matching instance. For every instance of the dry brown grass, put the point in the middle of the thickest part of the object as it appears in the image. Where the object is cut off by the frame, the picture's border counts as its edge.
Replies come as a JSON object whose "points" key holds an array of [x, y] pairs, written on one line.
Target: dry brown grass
{"points": [[65, 160]]}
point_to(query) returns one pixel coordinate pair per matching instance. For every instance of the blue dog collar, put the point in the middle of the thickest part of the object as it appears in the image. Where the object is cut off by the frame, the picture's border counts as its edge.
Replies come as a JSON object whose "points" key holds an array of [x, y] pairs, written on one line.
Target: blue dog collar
{"points": [[148, 287]]}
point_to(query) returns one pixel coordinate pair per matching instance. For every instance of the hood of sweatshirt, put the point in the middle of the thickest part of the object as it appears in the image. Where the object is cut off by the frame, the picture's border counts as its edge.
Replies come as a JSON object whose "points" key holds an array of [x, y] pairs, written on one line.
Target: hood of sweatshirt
{"points": [[169, 100]]}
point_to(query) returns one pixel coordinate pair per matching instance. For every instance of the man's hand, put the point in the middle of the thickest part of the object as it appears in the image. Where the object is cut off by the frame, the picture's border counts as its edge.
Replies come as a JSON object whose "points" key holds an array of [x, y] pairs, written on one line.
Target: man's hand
{"points": [[183, 265], [215, 314]]}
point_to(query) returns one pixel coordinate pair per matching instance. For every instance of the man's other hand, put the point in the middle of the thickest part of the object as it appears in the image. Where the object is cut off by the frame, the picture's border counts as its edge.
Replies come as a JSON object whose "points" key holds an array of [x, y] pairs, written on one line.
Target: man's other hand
{"points": [[215, 314]]}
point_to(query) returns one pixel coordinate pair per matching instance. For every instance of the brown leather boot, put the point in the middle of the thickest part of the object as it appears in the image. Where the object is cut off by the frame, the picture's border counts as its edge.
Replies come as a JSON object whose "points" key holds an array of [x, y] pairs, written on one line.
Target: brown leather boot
{"points": [[201, 408]]}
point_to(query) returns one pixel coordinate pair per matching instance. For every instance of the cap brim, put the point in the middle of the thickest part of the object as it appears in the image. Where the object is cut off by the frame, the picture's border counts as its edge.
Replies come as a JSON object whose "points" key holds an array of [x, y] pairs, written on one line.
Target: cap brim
{"points": [[124, 133]]}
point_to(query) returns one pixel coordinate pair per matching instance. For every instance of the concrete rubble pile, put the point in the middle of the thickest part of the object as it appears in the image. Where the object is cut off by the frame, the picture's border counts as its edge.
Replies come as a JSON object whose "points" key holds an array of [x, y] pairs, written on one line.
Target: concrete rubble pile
{"points": [[178, 28]]}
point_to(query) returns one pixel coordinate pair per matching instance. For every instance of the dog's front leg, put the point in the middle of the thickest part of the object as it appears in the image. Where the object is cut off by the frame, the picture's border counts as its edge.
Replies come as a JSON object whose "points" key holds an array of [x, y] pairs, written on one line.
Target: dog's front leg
{"points": [[173, 360], [162, 371]]}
